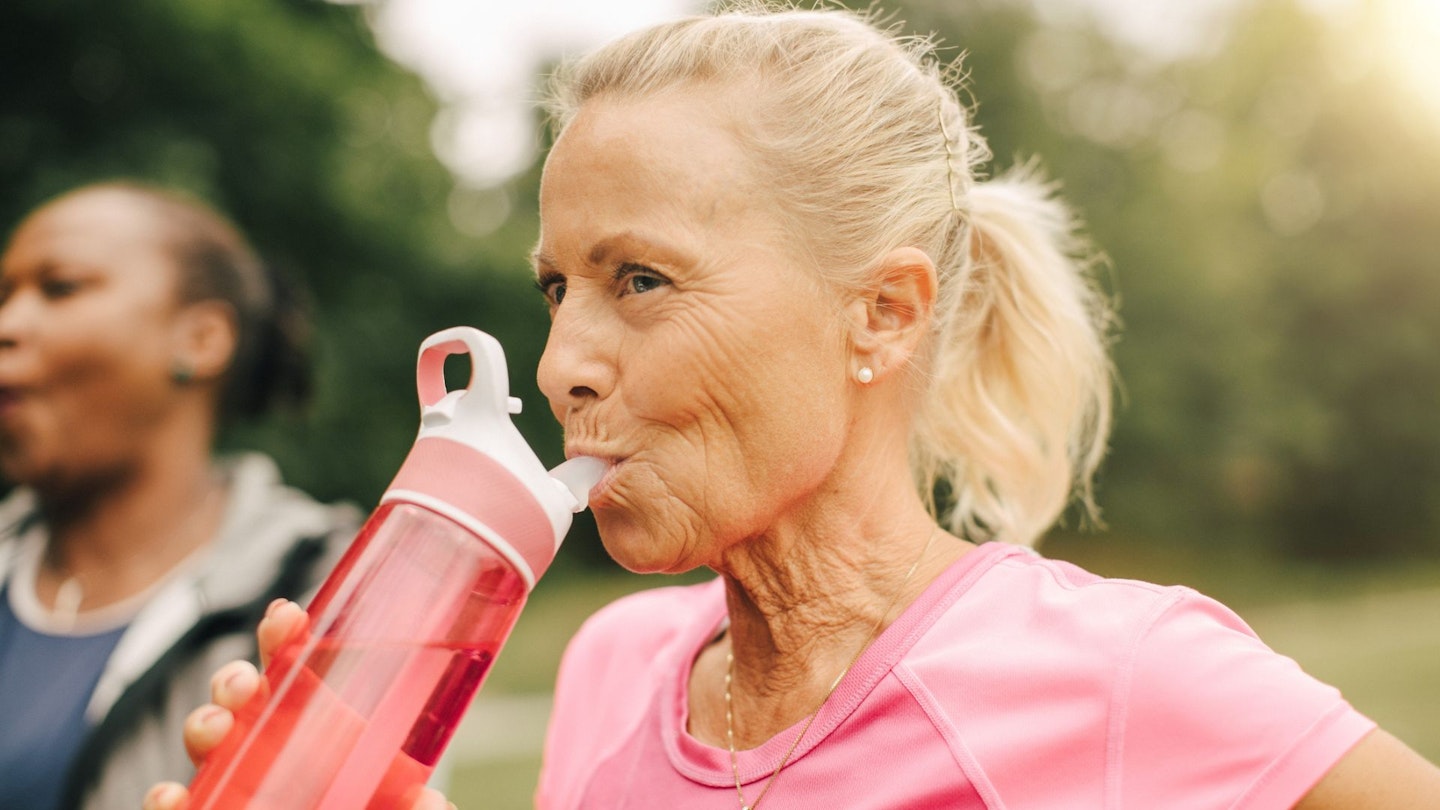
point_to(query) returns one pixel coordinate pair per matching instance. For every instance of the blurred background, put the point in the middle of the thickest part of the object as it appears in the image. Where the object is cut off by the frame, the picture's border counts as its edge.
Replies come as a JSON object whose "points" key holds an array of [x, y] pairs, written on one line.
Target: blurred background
{"points": [[1263, 175]]}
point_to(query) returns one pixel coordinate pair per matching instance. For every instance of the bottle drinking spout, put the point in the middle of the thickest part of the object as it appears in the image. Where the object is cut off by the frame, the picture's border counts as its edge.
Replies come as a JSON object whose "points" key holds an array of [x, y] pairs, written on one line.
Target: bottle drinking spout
{"points": [[579, 475]]}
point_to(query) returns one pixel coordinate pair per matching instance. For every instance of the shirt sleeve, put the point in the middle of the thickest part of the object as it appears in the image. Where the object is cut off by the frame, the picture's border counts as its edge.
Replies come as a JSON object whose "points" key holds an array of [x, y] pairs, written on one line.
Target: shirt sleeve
{"points": [[578, 716], [1207, 716]]}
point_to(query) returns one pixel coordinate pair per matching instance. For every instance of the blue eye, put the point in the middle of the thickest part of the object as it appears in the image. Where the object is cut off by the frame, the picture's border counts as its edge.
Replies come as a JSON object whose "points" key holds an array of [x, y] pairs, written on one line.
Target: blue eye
{"points": [[637, 278], [552, 288], [640, 284]]}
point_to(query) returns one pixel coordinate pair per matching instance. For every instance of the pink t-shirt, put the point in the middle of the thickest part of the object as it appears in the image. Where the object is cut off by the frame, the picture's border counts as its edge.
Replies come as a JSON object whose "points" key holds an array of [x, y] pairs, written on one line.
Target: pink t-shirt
{"points": [[1012, 682]]}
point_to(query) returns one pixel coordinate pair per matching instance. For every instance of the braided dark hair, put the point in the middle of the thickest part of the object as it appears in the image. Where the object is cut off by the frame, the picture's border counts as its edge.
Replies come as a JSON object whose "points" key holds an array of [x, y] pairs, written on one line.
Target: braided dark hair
{"points": [[271, 364]]}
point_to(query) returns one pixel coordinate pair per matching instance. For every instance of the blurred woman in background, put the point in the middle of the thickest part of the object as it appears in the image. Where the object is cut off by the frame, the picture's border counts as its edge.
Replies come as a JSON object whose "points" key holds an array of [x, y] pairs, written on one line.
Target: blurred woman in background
{"points": [[133, 322]]}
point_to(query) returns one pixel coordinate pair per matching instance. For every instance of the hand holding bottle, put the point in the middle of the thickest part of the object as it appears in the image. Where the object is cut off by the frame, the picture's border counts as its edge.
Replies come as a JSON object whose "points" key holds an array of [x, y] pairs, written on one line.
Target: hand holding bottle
{"points": [[232, 686], [364, 689]]}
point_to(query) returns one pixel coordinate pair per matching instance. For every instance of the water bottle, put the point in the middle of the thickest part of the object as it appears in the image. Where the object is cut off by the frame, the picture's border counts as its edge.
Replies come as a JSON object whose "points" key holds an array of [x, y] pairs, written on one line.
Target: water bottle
{"points": [[401, 634]]}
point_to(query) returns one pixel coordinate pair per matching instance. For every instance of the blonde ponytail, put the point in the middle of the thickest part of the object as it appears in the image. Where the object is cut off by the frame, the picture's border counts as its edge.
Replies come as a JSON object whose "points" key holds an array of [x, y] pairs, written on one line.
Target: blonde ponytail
{"points": [[1018, 409]]}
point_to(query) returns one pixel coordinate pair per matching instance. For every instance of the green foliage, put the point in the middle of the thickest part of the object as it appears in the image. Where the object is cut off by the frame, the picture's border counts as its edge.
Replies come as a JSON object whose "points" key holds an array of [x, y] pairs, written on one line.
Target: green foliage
{"points": [[284, 114], [1269, 216]]}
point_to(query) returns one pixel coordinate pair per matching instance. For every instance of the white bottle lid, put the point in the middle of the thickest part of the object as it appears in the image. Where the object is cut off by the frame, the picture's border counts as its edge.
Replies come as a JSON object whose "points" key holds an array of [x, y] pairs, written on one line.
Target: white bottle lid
{"points": [[471, 464]]}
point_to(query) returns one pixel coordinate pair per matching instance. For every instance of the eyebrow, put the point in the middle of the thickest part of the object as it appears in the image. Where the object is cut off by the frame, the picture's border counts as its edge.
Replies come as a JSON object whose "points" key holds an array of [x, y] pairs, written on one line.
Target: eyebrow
{"points": [[601, 252], [540, 259], [547, 268]]}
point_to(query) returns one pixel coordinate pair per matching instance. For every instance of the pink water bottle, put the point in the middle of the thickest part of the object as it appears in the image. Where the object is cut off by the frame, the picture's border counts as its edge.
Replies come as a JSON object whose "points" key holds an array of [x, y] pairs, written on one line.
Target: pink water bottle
{"points": [[404, 630]]}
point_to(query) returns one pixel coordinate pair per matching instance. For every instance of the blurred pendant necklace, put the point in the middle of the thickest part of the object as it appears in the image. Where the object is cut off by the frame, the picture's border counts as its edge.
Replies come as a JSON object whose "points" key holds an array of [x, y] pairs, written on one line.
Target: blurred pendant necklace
{"points": [[69, 599], [730, 676]]}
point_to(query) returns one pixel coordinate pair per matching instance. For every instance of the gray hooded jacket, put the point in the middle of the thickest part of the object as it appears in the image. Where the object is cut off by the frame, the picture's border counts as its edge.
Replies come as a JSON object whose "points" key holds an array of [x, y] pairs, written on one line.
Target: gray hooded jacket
{"points": [[273, 541]]}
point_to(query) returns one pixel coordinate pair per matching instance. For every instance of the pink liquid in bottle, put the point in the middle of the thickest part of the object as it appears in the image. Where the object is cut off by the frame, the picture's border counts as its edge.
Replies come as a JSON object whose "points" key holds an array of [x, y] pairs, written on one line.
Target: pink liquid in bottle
{"points": [[359, 706]]}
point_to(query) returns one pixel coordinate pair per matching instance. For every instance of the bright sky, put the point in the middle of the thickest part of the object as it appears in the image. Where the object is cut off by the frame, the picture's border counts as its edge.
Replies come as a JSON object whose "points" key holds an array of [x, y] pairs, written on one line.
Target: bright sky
{"points": [[480, 56]]}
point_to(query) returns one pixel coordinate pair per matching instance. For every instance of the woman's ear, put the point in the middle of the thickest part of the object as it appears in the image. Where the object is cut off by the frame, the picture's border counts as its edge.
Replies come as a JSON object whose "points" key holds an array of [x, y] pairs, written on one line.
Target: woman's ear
{"points": [[206, 337], [893, 314]]}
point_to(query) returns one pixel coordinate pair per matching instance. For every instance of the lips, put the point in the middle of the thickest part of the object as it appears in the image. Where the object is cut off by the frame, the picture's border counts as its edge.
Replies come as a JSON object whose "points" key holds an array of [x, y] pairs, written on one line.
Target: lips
{"points": [[578, 448], [10, 398], [601, 489], [614, 462]]}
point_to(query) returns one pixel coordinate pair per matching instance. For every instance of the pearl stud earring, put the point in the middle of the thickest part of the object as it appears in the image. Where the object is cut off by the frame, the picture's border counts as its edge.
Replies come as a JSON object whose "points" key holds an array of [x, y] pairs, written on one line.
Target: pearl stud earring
{"points": [[864, 375]]}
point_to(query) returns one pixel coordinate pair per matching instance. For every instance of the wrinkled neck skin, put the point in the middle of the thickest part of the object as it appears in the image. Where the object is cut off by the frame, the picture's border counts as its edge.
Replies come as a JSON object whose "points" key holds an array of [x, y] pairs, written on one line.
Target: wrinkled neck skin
{"points": [[806, 597], [120, 532]]}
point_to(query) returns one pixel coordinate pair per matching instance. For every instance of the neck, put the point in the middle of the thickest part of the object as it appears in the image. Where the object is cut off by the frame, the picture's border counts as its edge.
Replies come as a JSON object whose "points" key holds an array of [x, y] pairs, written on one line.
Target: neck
{"points": [[812, 593], [125, 531]]}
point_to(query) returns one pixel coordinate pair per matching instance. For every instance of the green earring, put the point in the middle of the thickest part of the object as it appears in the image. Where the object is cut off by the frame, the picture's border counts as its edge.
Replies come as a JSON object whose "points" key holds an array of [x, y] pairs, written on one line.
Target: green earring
{"points": [[182, 373]]}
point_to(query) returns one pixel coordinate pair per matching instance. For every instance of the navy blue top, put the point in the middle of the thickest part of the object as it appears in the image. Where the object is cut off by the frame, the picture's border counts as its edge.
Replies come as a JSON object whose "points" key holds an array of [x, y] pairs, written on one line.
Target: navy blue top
{"points": [[45, 684]]}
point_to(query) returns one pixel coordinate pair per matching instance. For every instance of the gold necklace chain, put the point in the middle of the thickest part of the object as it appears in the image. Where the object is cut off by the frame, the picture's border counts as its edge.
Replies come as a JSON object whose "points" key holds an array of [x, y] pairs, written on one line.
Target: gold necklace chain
{"points": [[730, 675]]}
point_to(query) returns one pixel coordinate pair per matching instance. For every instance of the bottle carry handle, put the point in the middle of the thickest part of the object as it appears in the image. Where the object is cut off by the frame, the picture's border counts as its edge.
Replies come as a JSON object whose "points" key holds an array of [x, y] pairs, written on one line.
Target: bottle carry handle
{"points": [[489, 384]]}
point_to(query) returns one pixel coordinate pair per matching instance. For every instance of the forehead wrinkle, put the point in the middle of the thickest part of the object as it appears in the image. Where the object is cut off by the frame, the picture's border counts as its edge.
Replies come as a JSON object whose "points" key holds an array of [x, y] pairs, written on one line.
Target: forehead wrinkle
{"points": [[619, 167]]}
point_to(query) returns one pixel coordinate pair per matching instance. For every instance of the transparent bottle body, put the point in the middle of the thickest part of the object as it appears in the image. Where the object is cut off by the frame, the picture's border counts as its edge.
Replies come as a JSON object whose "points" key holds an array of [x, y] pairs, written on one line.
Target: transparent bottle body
{"points": [[362, 703]]}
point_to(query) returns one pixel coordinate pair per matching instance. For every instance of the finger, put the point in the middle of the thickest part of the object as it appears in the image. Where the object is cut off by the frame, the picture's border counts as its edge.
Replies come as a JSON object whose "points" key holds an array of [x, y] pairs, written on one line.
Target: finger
{"points": [[234, 684], [167, 796], [284, 620], [204, 729], [431, 799]]}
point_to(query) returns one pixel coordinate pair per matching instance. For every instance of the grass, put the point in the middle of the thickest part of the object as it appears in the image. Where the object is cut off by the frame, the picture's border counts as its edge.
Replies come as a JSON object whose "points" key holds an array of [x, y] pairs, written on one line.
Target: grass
{"points": [[1373, 633], [497, 784], [1381, 650]]}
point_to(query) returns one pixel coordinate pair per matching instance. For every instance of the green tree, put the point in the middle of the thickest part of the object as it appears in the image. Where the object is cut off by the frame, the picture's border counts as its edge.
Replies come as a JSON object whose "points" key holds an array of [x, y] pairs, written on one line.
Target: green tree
{"points": [[1268, 210], [285, 115]]}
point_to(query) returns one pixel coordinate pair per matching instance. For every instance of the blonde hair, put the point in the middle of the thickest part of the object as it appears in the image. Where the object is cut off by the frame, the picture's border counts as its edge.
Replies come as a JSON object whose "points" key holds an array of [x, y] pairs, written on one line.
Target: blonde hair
{"points": [[870, 149]]}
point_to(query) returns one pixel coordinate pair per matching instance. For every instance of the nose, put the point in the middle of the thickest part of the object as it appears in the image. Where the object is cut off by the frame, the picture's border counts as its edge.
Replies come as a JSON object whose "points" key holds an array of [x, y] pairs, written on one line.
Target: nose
{"points": [[19, 311], [577, 366]]}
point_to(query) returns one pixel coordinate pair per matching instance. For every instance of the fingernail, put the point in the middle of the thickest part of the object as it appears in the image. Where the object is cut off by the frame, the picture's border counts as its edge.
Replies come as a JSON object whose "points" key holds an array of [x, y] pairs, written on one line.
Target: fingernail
{"points": [[208, 715], [162, 795], [273, 606], [232, 683]]}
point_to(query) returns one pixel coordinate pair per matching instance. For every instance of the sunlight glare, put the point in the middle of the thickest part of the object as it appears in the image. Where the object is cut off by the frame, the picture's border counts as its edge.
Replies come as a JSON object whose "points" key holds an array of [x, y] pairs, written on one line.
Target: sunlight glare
{"points": [[1412, 45]]}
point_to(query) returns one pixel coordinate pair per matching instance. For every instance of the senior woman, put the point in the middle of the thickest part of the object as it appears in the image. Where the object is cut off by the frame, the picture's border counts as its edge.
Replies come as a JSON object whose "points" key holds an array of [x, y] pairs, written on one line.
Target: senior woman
{"points": [[780, 299]]}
